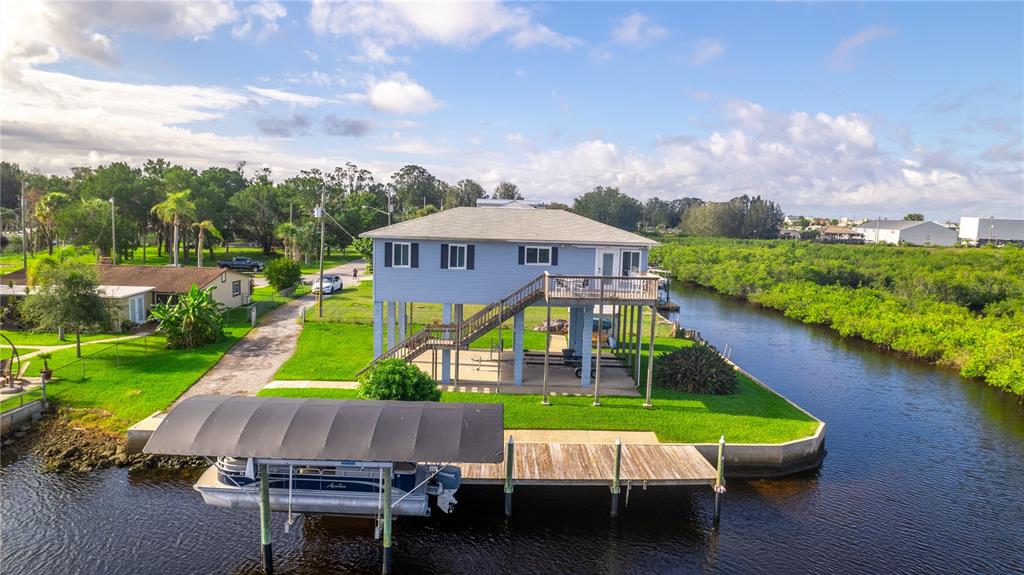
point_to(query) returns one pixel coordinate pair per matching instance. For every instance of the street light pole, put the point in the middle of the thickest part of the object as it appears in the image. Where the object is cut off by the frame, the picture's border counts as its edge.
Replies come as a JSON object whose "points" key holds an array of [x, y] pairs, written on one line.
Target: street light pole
{"points": [[24, 234], [387, 213], [320, 287], [113, 233]]}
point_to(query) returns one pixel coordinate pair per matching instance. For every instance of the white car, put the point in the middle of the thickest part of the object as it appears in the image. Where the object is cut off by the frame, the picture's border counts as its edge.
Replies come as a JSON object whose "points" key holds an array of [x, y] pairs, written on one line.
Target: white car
{"points": [[331, 284]]}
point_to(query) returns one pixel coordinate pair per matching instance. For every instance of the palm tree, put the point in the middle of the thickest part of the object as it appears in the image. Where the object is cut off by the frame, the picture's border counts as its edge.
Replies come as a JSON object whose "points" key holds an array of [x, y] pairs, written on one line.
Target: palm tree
{"points": [[289, 232], [172, 210], [204, 227]]}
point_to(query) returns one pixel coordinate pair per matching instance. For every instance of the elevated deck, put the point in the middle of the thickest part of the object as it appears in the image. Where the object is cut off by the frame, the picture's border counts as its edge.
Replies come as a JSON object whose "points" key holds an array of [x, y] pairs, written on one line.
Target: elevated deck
{"points": [[594, 464]]}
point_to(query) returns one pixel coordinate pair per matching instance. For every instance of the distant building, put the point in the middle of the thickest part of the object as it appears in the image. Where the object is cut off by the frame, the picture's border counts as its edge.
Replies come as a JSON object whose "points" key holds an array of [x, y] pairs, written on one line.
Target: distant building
{"points": [[840, 235], [904, 231], [991, 230], [789, 234], [134, 289]]}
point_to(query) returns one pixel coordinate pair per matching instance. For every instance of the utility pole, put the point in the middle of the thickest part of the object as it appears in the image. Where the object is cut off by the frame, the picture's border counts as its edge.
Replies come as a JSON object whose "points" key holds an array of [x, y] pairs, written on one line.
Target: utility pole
{"points": [[320, 288], [113, 234], [24, 233]]}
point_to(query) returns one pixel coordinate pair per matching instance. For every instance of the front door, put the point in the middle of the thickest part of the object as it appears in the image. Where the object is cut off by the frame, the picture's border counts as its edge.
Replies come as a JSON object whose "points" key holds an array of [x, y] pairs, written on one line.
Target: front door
{"points": [[607, 262]]}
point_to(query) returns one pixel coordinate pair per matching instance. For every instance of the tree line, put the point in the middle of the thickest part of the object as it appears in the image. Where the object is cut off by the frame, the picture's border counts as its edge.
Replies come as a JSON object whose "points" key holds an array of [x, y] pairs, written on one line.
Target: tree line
{"points": [[954, 307], [181, 210]]}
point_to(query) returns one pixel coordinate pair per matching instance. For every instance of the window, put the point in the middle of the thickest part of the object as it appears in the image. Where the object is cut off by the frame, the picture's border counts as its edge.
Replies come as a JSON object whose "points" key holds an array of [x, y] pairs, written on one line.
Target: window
{"points": [[236, 288], [456, 257], [538, 256], [400, 257], [630, 262]]}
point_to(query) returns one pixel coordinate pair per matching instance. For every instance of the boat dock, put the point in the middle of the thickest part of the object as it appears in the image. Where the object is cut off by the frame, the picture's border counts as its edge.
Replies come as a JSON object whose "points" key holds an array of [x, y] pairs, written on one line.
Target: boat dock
{"points": [[574, 464]]}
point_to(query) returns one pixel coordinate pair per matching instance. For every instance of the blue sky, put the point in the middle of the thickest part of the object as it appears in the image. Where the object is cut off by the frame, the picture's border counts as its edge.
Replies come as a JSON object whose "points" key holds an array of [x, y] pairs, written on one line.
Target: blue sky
{"points": [[828, 108]]}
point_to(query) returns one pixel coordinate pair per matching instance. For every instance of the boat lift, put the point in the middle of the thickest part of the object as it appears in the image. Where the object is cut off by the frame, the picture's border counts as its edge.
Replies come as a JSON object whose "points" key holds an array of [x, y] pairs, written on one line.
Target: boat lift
{"points": [[271, 432]]}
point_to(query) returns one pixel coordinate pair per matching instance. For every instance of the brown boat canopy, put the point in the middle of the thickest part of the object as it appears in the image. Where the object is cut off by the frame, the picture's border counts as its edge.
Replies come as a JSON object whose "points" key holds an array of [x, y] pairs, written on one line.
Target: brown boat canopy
{"points": [[331, 430]]}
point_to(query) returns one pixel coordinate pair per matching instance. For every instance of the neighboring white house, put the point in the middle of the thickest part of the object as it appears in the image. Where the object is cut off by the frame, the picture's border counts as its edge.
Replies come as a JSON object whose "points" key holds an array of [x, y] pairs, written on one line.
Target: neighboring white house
{"points": [[994, 230], [903, 231]]}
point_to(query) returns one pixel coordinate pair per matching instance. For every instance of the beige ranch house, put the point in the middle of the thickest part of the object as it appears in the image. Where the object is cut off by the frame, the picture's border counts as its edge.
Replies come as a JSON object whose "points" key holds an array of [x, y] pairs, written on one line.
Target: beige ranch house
{"points": [[134, 289]]}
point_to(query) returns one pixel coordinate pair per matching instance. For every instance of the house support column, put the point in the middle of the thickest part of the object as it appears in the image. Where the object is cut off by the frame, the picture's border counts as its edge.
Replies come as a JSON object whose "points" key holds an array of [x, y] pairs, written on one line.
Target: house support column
{"points": [[378, 327], [650, 358], [446, 354], [458, 338], [586, 343], [401, 321], [518, 328], [639, 340], [391, 325]]}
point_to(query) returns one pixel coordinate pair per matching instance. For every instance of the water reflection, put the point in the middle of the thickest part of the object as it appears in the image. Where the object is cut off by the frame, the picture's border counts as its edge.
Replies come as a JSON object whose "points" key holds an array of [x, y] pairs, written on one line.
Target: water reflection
{"points": [[924, 475]]}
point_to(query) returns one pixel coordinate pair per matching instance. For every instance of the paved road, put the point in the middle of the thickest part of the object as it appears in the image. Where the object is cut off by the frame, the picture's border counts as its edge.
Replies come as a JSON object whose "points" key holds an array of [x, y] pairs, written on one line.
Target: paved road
{"points": [[251, 363]]}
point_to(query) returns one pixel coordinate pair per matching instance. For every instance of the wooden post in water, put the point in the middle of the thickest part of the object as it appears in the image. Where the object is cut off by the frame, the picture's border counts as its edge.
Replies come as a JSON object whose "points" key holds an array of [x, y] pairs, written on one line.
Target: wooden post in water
{"points": [[650, 358], [719, 482], [267, 554], [509, 466], [386, 539], [615, 478]]}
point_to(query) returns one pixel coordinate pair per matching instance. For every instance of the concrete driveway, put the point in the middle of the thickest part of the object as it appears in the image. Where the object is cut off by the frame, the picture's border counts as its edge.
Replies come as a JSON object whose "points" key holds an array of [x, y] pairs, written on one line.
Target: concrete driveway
{"points": [[251, 363]]}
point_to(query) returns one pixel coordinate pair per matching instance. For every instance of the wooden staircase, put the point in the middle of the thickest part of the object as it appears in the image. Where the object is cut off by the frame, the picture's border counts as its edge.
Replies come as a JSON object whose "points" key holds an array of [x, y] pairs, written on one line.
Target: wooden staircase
{"points": [[568, 290]]}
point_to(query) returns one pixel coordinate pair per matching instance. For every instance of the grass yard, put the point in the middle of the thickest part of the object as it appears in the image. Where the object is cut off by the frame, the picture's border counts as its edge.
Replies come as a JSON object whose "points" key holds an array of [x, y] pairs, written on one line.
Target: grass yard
{"points": [[131, 382], [329, 351], [34, 338], [752, 415], [11, 261]]}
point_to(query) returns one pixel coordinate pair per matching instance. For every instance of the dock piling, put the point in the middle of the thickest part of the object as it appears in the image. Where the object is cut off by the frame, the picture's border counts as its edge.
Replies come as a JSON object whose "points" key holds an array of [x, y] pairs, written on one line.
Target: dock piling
{"points": [[719, 482], [615, 478], [509, 466], [267, 554], [386, 540]]}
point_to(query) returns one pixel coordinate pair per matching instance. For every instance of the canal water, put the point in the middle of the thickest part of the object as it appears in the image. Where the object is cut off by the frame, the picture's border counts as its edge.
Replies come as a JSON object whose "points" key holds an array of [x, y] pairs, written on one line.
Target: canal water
{"points": [[924, 474]]}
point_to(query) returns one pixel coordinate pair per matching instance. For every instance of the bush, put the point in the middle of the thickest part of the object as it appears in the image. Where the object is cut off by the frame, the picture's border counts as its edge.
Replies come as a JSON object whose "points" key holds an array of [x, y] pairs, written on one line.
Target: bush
{"points": [[695, 369], [283, 273], [396, 379], [192, 320]]}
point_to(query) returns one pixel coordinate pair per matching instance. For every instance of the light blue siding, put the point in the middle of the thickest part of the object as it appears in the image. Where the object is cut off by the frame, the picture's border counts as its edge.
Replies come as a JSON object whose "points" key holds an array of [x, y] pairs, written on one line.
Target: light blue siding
{"points": [[497, 273]]}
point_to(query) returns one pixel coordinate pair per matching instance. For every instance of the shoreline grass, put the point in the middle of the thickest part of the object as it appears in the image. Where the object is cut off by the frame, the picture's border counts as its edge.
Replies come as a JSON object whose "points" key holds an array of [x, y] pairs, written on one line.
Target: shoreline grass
{"points": [[751, 415]]}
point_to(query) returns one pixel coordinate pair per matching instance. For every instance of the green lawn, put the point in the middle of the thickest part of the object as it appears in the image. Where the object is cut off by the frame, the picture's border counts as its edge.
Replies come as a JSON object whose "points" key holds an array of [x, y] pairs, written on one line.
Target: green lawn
{"points": [[132, 381], [329, 351], [11, 261], [751, 415], [34, 338]]}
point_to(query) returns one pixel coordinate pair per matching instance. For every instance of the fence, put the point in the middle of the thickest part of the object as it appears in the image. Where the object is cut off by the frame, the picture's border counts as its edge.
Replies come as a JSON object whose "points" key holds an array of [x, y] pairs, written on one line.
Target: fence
{"points": [[22, 398], [121, 351]]}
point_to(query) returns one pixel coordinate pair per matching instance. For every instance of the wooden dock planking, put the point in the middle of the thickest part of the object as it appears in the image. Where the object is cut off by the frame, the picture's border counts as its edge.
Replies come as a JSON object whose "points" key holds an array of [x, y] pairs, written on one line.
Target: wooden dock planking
{"points": [[593, 464]]}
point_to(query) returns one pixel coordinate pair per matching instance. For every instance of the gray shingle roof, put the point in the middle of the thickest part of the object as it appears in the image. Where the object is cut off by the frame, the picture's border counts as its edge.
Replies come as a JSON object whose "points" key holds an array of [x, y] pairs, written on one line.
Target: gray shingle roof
{"points": [[504, 225]]}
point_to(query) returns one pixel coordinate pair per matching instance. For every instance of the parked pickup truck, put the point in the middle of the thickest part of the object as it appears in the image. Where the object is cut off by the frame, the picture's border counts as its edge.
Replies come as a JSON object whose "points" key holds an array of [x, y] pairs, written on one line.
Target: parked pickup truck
{"points": [[241, 263]]}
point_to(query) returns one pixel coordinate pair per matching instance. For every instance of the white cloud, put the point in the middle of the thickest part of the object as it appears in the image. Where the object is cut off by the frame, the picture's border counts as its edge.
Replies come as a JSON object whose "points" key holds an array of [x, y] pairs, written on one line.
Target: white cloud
{"points": [[395, 143], [843, 55], [706, 50], [38, 32], [400, 95], [520, 73], [637, 29], [534, 34], [379, 27], [260, 19], [286, 97]]}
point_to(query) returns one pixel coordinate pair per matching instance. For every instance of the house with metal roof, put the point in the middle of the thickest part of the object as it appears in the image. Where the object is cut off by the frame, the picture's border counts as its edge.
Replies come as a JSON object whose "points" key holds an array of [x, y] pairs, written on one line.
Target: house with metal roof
{"points": [[132, 290], [906, 232], [506, 260]]}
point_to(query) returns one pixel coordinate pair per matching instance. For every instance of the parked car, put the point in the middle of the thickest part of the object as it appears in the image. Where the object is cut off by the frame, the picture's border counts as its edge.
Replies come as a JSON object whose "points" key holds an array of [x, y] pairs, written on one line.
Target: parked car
{"points": [[331, 284], [241, 263]]}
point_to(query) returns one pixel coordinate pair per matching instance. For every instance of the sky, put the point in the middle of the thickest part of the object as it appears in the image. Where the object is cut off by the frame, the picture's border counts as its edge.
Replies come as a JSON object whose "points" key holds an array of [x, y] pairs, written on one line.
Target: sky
{"points": [[831, 109]]}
